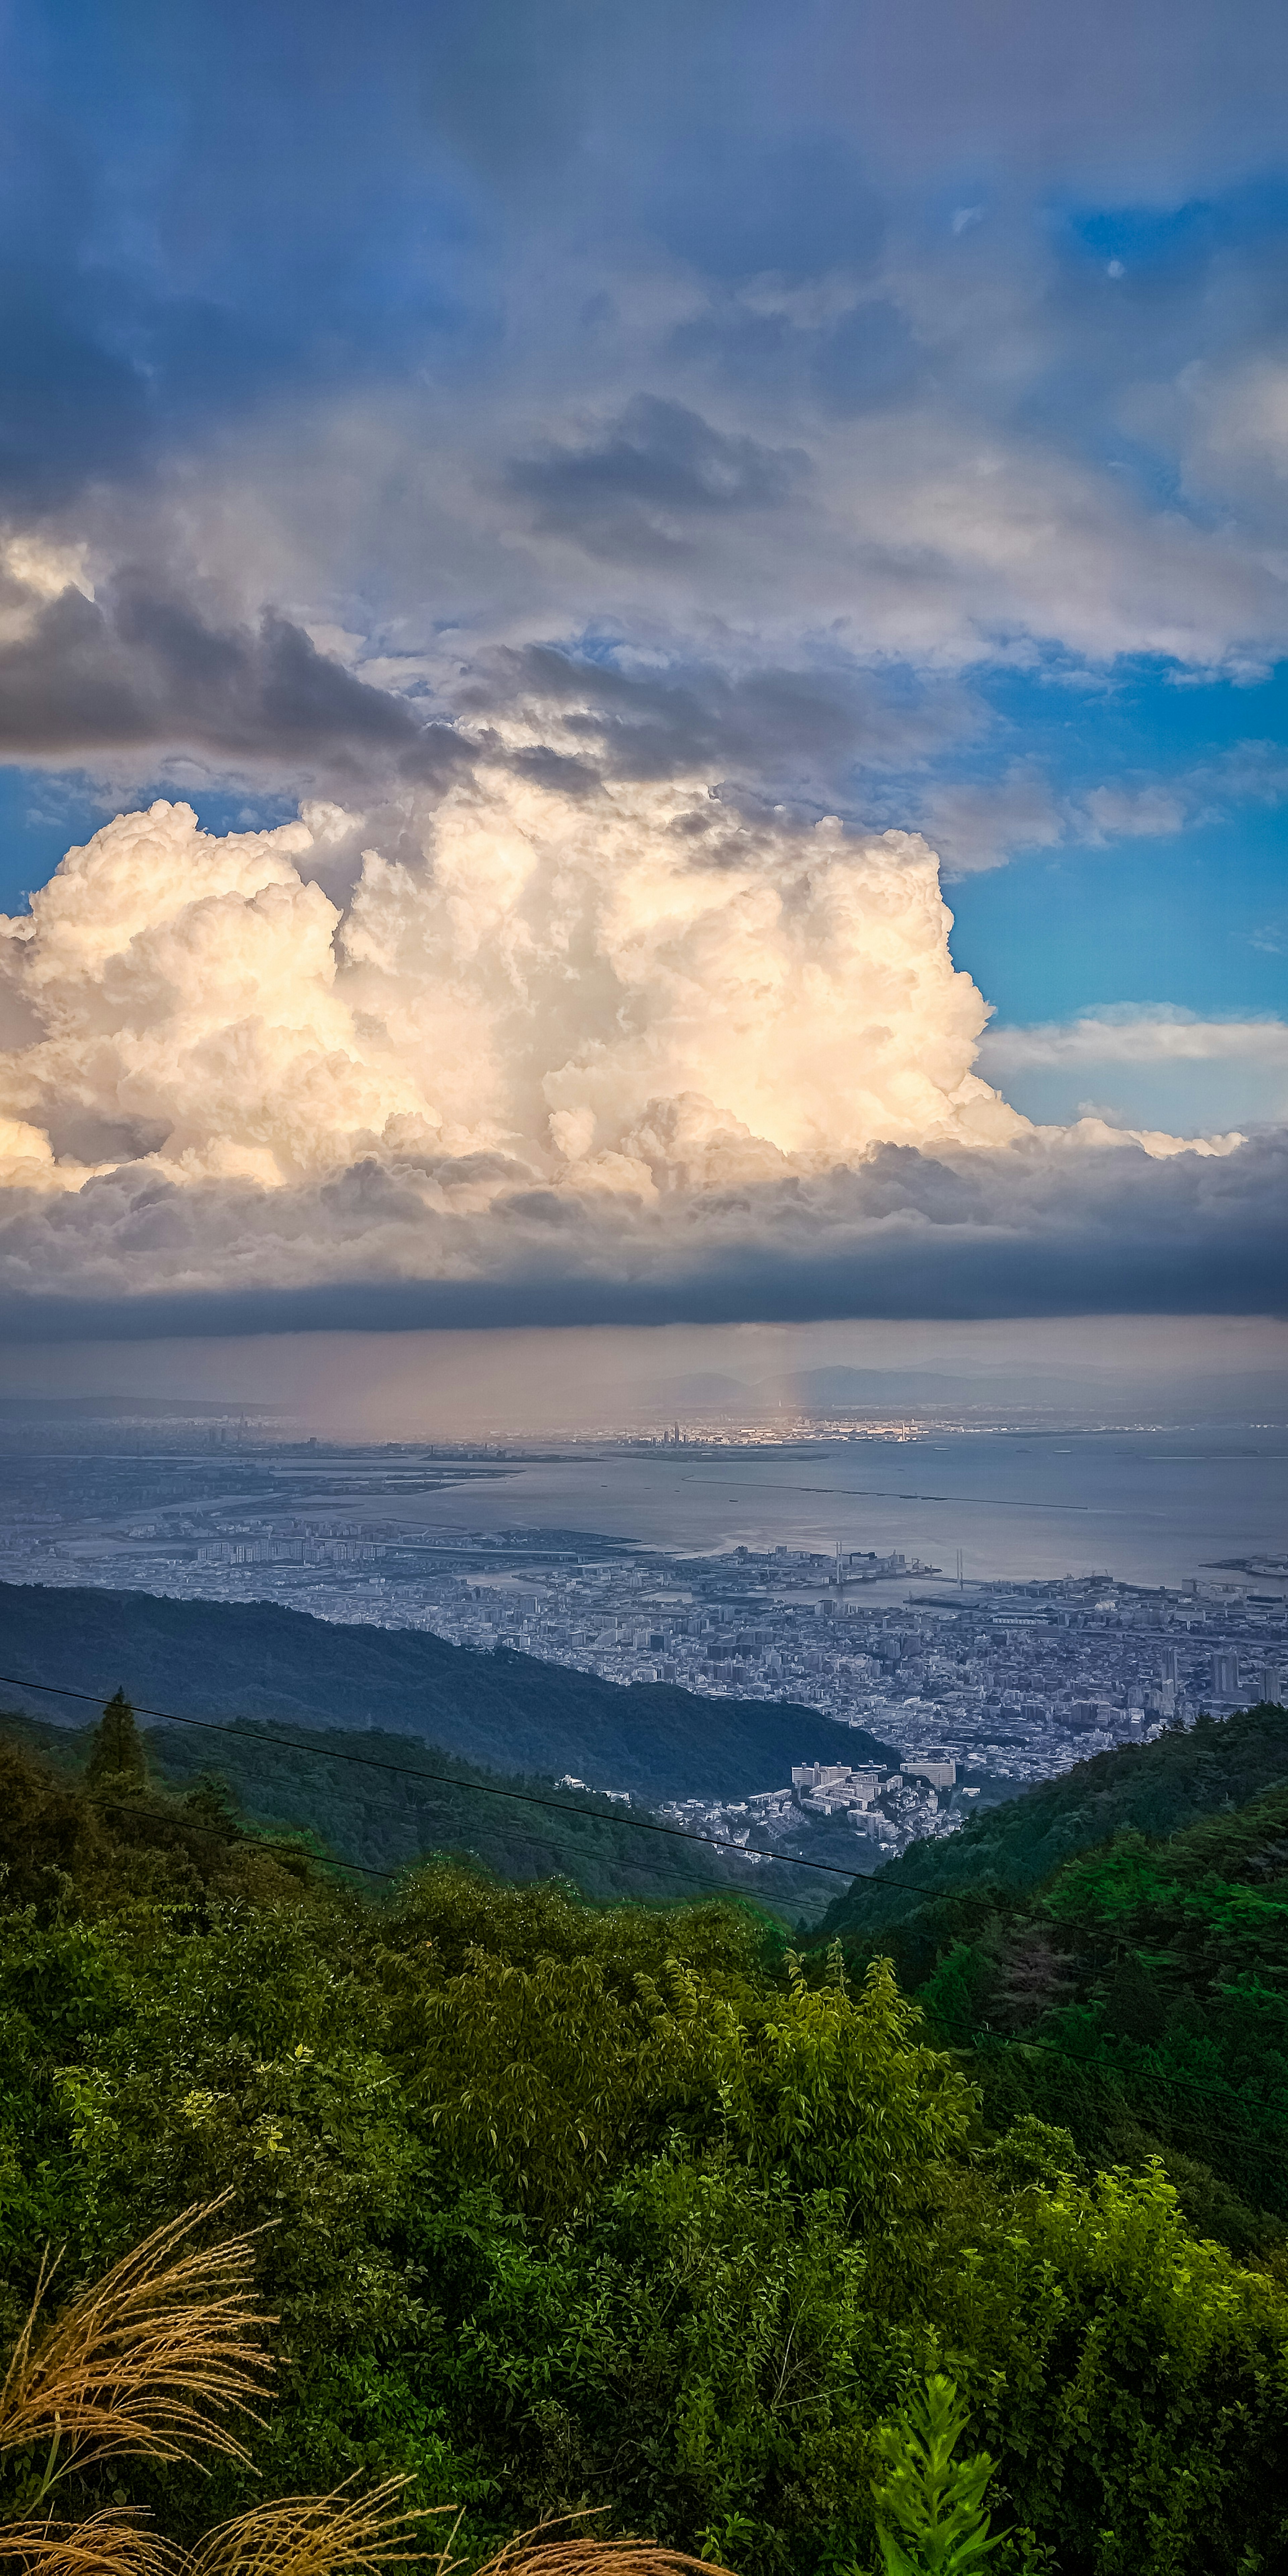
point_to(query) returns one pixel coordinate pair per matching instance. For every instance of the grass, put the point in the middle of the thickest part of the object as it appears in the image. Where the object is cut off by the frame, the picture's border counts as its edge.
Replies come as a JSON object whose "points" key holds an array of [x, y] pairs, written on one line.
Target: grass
{"points": [[147, 2363]]}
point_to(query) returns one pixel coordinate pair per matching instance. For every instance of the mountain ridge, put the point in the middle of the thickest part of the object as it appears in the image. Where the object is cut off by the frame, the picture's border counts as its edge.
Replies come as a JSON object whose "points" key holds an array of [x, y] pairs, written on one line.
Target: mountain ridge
{"points": [[505, 1711]]}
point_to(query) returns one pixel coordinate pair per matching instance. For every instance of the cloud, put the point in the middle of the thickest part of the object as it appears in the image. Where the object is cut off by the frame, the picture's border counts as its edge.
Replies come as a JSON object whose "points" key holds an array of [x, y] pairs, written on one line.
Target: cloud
{"points": [[621, 993], [1154, 1065], [618, 1053], [762, 726], [933, 532], [1232, 422], [908, 1234], [1148, 812], [1133, 1034], [635, 290], [967, 83], [138, 668], [638, 483], [667, 401], [980, 825], [977, 824]]}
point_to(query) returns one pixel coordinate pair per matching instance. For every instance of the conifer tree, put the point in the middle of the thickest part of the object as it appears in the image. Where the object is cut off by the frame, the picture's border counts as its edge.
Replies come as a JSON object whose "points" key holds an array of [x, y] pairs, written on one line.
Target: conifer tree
{"points": [[116, 1758]]}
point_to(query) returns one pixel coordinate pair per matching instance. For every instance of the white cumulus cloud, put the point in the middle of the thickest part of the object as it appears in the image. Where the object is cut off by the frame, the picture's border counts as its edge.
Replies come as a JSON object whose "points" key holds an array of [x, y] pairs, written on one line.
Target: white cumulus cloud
{"points": [[617, 991], [515, 1032]]}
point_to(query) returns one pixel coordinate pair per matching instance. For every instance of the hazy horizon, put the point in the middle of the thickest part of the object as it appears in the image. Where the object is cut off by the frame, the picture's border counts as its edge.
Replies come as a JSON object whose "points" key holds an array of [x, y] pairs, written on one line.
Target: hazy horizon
{"points": [[465, 1384]]}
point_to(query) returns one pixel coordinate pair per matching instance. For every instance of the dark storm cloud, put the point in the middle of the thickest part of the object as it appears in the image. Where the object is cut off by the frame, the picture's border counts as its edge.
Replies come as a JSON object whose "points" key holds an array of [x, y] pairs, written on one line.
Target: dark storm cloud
{"points": [[555, 769], [1027, 1232], [632, 488], [773, 726], [140, 670]]}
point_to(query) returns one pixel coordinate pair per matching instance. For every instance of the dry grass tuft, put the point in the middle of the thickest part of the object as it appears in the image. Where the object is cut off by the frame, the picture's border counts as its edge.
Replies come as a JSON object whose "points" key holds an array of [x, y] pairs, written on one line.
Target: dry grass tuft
{"points": [[530, 2555], [334, 2535], [316, 2536], [147, 2362], [111, 2543]]}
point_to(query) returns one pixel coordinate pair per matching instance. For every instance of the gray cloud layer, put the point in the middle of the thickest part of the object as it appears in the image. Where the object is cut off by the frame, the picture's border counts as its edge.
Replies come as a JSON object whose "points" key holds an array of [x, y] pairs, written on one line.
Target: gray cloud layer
{"points": [[906, 1234], [639, 485], [787, 352]]}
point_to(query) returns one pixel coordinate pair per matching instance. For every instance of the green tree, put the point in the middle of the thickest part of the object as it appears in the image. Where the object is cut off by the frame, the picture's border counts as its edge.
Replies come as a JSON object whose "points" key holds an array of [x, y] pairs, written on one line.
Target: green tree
{"points": [[839, 2091], [1128, 2377], [116, 1758], [956, 1997], [1134, 2009]]}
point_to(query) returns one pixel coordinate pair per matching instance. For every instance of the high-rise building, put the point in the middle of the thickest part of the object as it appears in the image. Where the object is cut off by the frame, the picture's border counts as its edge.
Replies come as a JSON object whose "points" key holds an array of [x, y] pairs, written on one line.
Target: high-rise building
{"points": [[1271, 1685], [1225, 1675], [1169, 1664]]}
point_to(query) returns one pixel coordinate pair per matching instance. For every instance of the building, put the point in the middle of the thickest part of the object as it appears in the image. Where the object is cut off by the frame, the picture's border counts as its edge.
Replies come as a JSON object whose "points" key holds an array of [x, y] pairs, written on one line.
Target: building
{"points": [[937, 1775], [835, 1782]]}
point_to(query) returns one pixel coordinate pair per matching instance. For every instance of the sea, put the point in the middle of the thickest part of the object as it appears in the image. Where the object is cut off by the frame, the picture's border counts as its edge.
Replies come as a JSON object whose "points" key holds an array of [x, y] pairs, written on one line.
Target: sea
{"points": [[1148, 1507]]}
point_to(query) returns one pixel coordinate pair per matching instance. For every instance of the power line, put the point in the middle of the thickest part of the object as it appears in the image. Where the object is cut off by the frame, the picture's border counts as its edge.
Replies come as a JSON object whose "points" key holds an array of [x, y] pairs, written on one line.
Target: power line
{"points": [[640, 1824], [444, 1780], [485, 1788], [710, 1887], [1212, 2092]]}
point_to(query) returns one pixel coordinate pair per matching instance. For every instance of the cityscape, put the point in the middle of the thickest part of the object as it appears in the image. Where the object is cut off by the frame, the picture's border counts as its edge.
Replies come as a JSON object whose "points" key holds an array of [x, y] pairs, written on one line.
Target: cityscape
{"points": [[968, 1689]]}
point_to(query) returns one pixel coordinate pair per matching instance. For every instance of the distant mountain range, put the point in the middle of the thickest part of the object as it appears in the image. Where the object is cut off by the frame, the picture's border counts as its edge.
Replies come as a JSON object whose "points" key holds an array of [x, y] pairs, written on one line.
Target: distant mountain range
{"points": [[507, 1712]]}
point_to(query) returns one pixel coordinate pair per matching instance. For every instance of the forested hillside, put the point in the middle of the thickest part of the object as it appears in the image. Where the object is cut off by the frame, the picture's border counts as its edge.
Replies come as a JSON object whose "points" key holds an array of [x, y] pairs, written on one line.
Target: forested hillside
{"points": [[566, 2206], [1155, 1788], [376, 1812], [508, 1712], [1138, 1994]]}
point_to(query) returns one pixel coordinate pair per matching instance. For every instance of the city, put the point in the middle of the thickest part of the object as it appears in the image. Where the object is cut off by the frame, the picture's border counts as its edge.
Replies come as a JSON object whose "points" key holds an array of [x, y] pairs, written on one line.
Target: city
{"points": [[967, 1689]]}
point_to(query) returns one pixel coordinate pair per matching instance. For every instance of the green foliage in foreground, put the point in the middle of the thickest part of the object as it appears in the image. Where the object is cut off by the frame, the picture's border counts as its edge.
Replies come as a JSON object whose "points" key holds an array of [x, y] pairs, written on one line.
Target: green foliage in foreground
{"points": [[934, 2502], [571, 2206]]}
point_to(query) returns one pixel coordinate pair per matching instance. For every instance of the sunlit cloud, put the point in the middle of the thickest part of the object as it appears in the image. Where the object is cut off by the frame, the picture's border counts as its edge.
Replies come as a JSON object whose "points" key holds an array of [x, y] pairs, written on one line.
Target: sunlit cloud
{"points": [[618, 1054]]}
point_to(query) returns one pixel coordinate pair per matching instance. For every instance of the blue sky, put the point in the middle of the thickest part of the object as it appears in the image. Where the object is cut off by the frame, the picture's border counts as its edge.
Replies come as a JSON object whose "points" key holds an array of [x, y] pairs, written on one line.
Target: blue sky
{"points": [[493, 231], [843, 411]]}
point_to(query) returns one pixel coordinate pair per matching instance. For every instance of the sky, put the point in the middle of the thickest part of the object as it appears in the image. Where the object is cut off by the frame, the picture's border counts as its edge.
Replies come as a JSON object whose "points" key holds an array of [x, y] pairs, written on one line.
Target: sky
{"points": [[660, 642], [547, 1382]]}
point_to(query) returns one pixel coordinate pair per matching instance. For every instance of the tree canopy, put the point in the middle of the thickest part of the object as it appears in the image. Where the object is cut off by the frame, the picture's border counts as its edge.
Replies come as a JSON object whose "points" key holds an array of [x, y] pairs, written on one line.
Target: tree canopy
{"points": [[557, 2204]]}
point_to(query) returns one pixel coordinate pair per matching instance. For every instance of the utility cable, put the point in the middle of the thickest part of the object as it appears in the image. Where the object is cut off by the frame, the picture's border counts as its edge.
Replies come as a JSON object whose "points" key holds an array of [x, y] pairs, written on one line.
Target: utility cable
{"points": [[444, 1780], [488, 1789], [640, 1824], [1191, 2128]]}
